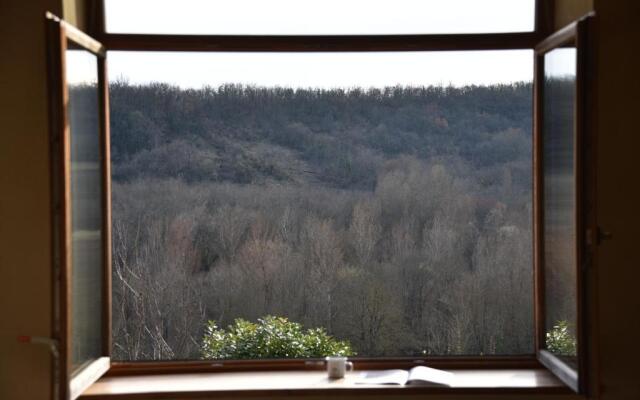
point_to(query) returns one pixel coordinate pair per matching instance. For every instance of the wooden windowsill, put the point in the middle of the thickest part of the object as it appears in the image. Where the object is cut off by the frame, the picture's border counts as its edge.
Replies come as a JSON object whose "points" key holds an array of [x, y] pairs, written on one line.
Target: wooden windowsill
{"points": [[312, 383]]}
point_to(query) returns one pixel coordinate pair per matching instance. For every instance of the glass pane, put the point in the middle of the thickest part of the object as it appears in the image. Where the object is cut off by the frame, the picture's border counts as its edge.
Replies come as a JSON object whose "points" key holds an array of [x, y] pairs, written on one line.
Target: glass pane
{"points": [[86, 207], [382, 197], [559, 202], [319, 17]]}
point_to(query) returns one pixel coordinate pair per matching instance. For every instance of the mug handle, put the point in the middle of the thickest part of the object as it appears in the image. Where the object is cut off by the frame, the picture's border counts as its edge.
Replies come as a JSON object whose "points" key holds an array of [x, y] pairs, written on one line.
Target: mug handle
{"points": [[349, 366]]}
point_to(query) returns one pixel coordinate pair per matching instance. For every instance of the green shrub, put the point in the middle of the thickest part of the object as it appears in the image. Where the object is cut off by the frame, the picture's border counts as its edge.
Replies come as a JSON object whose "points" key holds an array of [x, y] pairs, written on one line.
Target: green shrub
{"points": [[270, 337], [560, 341]]}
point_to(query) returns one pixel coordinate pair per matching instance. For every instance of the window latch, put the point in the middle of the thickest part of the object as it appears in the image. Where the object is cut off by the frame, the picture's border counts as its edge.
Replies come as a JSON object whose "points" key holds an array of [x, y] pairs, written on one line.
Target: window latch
{"points": [[51, 343], [603, 235]]}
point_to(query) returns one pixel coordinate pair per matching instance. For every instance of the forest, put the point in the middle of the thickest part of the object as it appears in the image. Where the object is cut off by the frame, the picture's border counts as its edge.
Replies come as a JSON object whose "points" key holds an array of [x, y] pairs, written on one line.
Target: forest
{"points": [[396, 219]]}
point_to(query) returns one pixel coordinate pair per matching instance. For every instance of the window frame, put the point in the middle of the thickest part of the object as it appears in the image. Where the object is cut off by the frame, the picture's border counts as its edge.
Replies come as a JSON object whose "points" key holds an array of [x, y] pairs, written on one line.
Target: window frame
{"points": [[96, 27], [72, 382], [95, 22], [578, 35]]}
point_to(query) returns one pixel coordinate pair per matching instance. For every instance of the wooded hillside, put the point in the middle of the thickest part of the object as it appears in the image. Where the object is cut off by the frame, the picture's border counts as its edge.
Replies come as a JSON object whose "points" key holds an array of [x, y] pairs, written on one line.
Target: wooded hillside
{"points": [[397, 219]]}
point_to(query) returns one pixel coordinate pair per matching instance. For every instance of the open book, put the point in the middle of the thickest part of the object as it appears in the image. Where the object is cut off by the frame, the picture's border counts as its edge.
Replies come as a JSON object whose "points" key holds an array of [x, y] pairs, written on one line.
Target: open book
{"points": [[418, 376]]}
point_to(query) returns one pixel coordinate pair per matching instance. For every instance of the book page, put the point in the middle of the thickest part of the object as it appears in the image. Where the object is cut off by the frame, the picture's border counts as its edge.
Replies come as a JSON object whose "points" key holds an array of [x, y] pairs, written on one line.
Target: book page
{"points": [[386, 377], [430, 376]]}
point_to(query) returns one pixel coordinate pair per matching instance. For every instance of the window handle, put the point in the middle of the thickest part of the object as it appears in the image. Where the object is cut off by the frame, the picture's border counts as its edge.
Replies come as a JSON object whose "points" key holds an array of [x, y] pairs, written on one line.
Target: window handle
{"points": [[604, 235], [51, 343]]}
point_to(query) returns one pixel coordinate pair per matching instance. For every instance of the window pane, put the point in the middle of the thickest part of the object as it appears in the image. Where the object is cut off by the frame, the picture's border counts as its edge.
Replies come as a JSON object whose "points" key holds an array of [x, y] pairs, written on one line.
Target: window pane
{"points": [[313, 17], [86, 207], [559, 202], [354, 193]]}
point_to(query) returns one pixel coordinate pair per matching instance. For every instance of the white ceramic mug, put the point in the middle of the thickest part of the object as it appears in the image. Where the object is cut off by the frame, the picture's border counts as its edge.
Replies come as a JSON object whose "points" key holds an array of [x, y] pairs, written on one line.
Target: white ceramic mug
{"points": [[338, 366]]}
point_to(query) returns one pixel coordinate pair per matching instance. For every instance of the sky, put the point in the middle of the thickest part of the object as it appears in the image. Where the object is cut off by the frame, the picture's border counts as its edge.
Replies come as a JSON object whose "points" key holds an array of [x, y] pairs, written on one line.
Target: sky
{"points": [[323, 70], [308, 17], [561, 63], [81, 67]]}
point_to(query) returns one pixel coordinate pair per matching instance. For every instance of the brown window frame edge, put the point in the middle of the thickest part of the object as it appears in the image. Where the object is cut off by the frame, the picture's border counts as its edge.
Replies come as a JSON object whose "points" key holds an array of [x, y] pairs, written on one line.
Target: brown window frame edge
{"points": [[125, 368], [365, 43], [69, 382]]}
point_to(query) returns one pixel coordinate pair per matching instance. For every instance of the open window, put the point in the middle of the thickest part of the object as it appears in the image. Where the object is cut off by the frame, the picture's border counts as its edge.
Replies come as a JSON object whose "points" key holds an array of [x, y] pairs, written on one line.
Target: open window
{"points": [[563, 228], [81, 203], [564, 204]]}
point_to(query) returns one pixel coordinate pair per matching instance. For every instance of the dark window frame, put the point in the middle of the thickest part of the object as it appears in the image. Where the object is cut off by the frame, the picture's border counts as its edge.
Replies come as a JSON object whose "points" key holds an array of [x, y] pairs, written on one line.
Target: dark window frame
{"points": [[95, 23]]}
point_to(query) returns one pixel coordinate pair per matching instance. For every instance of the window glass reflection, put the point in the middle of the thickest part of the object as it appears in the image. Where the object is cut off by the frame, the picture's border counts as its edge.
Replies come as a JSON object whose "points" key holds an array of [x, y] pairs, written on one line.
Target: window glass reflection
{"points": [[559, 202], [86, 206]]}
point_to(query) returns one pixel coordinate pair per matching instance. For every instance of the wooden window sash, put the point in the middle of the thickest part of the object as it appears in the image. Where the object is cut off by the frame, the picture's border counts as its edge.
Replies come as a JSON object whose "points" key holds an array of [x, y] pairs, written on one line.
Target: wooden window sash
{"points": [[576, 35], [69, 383]]}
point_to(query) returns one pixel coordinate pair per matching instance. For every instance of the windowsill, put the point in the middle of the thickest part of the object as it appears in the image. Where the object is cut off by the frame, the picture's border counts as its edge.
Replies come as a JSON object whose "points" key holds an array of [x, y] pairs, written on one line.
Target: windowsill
{"points": [[308, 383]]}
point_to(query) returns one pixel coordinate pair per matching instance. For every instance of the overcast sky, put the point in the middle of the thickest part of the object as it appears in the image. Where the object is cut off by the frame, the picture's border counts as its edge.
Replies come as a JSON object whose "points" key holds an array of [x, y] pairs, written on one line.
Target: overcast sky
{"points": [[325, 70], [308, 17]]}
